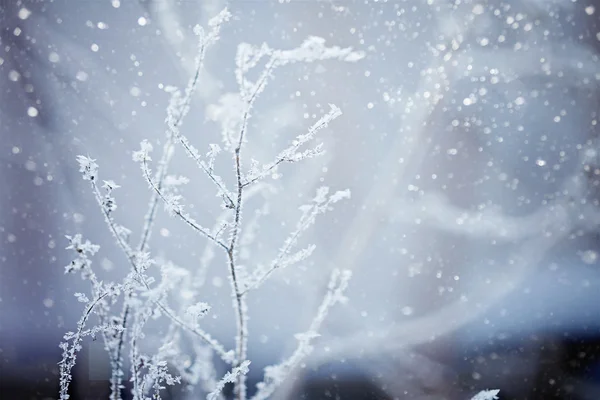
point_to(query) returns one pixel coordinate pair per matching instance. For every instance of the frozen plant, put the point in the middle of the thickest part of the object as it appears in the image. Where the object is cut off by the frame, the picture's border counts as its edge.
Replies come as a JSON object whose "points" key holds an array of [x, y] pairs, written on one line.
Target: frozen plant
{"points": [[141, 298]]}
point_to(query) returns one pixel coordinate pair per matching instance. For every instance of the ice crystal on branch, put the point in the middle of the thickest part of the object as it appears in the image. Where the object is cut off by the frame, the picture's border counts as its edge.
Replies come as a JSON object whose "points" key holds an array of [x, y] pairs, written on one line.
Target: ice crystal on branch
{"points": [[143, 154], [198, 311], [87, 167], [229, 377]]}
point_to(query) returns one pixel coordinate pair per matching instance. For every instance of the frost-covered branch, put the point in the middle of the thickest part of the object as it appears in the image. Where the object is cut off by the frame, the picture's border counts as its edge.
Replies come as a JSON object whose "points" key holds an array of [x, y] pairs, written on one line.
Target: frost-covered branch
{"points": [[234, 111], [248, 57], [225, 355], [69, 355], [171, 201], [113, 338], [117, 358], [291, 154], [239, 303], [311, 50], [276, 374], [321, 203], [89, 170], [179, 106], [229, 377]]}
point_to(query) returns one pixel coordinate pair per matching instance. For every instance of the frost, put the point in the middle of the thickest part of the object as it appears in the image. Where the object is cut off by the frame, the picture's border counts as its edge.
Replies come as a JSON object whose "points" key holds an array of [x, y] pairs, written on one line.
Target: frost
{"points": [[486, 395], [143, 154], [87, 167], [198, 311], [172, 180], [229, 377], [212, 155], [313, 48], [173, 204], [220, 18], [82, 298], [110, 185], [143, 261], [339, 195]]}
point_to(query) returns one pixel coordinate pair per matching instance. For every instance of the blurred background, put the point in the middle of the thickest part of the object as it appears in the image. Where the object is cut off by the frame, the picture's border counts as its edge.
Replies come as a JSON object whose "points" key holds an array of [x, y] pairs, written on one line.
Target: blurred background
{"points": [[469, 141]]}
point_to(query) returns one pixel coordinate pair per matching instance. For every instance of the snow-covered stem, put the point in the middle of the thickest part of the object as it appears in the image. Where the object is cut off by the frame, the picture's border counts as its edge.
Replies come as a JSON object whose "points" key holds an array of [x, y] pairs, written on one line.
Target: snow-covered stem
{"points": [[84, 249], [230, 377], [117, 359], [218, 348], [115, 230], [175, 208], [290, 154], [321, 204], [179, 108], [70, 352], [137, 362], [238, 301], [276, 374], [193, 153]]}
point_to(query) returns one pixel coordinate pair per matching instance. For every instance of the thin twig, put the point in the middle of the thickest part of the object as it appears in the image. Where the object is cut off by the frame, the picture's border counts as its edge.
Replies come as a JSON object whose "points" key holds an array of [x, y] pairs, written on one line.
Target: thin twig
{"points": [[189, 221], [275, 375], [239, 304]]}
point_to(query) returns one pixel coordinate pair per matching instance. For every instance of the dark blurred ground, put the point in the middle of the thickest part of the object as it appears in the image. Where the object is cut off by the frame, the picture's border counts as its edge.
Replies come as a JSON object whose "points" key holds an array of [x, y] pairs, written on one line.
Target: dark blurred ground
{"points": [[566, 369]]}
